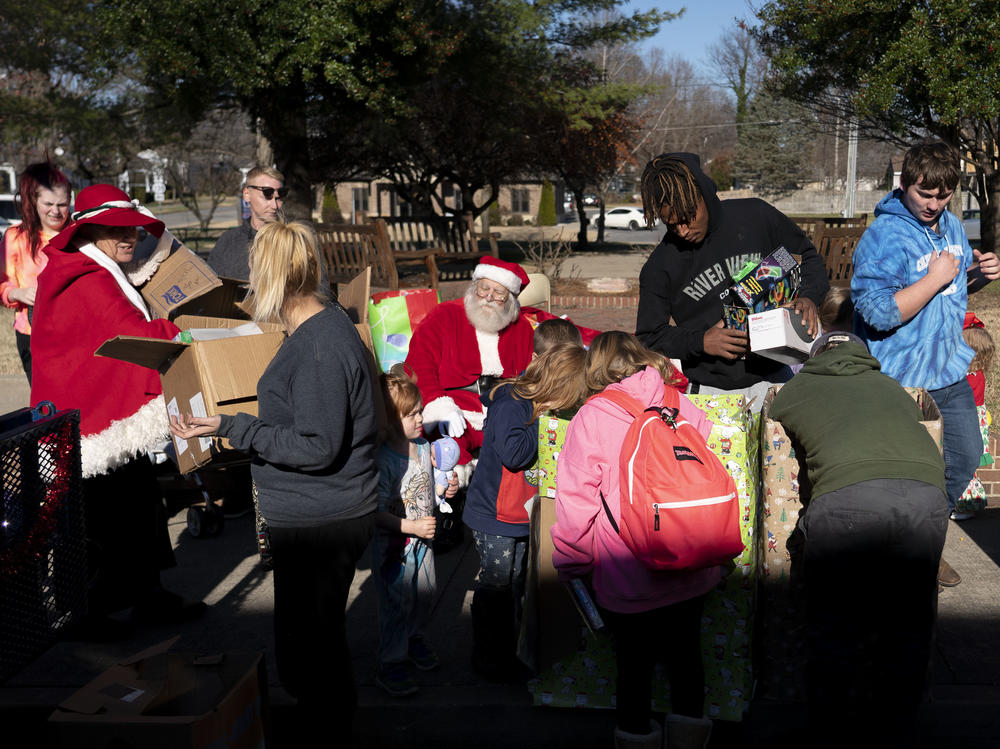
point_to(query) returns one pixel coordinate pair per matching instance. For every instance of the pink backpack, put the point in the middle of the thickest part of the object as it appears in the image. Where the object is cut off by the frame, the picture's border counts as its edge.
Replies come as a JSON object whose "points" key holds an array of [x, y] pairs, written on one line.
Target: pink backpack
{"points": [[679, 508]]}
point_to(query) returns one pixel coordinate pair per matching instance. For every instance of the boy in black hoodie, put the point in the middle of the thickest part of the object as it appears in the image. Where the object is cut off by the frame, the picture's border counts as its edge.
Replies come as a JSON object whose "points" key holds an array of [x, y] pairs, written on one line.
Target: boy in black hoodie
{"points": [[707, 241]]}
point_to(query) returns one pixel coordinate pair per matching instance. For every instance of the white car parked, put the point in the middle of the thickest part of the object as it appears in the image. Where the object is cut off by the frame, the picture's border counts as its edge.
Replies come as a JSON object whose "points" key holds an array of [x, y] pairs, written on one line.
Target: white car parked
{"points": [[625, 218]]}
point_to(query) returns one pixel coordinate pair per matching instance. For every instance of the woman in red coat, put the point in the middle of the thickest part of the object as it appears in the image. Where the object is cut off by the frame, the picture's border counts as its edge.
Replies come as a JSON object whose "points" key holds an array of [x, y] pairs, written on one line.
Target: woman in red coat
{"points": [[85, 296]]}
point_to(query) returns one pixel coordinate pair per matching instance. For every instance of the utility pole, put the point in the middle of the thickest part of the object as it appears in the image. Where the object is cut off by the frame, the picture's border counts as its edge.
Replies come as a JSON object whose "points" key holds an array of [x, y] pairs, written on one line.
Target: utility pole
{"points": [[852, 166]]}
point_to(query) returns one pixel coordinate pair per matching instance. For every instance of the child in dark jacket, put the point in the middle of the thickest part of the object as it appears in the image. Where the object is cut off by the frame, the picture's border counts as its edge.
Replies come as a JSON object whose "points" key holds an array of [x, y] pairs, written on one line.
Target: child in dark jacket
{"points": [[494, 504]]}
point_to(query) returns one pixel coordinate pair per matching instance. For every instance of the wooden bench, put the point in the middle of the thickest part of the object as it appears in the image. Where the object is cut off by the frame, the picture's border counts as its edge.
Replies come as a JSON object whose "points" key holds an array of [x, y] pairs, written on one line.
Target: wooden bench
{"points": [[452, 237], [813, 226], [350, 248], [836, 246]]}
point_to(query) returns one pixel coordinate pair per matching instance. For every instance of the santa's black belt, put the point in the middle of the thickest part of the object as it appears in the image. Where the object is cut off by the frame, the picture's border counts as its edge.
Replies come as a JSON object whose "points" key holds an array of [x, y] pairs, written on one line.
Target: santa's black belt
{"points": [[484, 384]]}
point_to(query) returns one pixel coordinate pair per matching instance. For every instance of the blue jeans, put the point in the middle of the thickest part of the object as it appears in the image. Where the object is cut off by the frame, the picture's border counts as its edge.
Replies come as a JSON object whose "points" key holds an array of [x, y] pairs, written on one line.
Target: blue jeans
{"points": [[406, 582], [963, 442]]}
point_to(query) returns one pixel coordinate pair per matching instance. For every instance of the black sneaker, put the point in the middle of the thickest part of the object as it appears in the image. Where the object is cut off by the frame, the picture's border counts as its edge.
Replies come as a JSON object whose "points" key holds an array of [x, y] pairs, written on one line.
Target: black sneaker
{"points": [[422, 656], [396, 680]]}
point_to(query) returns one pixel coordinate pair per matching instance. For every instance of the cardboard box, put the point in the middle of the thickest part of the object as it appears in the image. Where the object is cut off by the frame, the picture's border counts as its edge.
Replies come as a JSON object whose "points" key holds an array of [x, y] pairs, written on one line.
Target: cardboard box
{"points": [[159, 699], [783, 621], [780, 335], [203, 378], [185, 285]]}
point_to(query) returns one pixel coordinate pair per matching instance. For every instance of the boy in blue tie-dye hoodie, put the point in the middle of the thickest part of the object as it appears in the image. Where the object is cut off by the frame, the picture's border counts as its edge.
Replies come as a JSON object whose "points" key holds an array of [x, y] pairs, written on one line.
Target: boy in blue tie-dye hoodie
{"points": [[911, 270]]}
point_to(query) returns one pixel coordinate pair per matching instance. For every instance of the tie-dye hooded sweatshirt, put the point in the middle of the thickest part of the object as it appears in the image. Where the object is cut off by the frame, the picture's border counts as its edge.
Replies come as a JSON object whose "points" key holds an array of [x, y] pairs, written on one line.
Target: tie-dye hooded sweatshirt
{"points": [[928, 350]]}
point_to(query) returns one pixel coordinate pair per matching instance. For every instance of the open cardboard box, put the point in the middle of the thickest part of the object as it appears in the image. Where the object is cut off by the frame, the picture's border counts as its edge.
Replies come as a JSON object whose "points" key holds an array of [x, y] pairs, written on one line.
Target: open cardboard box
{"points": [[184, 285], [160, 699], [203, 378]]}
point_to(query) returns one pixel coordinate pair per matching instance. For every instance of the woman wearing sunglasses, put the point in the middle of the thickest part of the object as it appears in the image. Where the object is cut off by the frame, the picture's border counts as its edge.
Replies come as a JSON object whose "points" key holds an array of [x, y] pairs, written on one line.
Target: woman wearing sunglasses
{"points": [[264, 192]]}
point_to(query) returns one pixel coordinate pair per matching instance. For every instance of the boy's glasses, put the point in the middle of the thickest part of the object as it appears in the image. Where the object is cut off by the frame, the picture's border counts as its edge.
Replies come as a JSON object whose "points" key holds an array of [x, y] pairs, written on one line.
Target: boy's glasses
{"points": [[268, 192], [496, 295]]}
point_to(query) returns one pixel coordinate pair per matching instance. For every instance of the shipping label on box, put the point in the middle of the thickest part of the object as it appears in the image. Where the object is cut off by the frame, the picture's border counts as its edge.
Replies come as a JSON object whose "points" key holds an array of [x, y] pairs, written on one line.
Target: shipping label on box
{"points": [[203, 378], [586, 677]]}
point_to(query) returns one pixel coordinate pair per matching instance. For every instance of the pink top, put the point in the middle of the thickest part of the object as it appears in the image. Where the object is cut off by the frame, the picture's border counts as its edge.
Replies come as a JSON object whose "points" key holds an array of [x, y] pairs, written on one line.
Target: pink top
{"points": [[584, 539], [18, 270]]}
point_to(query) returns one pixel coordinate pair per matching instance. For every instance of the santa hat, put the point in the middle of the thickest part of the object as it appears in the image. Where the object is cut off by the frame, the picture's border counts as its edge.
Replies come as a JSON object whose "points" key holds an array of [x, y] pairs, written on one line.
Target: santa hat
{"points": [[106, 205], [509, 275]]}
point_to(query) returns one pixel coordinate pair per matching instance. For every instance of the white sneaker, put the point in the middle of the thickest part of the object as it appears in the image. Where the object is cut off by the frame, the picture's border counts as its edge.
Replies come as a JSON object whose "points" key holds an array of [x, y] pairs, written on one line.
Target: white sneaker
{"points": [[955, 515]]}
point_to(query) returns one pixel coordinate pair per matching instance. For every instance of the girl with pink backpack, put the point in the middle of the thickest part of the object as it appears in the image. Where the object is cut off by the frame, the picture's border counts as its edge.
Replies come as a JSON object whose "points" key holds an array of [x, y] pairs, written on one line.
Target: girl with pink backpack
{"points": [[653, 614]]}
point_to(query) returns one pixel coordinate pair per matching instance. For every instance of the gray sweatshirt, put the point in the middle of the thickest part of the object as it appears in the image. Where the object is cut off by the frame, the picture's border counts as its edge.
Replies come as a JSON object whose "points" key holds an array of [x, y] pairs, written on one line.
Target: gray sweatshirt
{"points": [[313, 444]]}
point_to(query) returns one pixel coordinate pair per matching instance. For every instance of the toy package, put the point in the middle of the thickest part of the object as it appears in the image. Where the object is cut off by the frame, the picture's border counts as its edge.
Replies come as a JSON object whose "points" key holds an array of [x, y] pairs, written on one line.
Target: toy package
{"points": [[759, 287]]}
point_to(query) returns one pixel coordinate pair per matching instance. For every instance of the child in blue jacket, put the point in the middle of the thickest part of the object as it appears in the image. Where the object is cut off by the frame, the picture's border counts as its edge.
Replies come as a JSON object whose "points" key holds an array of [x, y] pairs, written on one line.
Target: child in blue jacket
{"points": [[909, 288], [494, 504]]}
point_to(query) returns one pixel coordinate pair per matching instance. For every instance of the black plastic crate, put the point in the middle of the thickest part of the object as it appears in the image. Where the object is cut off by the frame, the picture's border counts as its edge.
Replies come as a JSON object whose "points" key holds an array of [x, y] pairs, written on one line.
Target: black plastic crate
{"points": [[43, 555]]}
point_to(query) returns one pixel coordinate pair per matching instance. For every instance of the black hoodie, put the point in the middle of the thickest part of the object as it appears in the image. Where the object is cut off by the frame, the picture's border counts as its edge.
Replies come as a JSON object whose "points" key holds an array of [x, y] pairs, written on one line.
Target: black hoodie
{"points": [[682, 281]]}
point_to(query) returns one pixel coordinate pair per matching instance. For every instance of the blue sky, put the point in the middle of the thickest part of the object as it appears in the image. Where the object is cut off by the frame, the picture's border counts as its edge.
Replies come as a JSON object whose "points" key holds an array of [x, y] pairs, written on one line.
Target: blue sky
{"points": [[701, 25]]}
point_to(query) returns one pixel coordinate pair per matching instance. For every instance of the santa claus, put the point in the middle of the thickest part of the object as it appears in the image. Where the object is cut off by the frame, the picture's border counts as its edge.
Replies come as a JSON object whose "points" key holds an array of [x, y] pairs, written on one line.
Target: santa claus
{"points": [[466, 345]]}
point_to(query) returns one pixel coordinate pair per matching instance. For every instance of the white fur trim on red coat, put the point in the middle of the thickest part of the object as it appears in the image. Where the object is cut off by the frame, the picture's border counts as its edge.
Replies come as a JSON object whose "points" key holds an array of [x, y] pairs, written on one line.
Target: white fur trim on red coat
{"points": [[124, 439], [439, 409], [140, 271], [489, 353]]}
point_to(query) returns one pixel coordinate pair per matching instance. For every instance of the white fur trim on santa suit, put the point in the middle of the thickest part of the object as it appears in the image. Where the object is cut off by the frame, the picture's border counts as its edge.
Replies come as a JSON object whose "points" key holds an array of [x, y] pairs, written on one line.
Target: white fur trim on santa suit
{"points": [[502, 276], [124, 439], [489, 353], [438, 410], [476, 419]]}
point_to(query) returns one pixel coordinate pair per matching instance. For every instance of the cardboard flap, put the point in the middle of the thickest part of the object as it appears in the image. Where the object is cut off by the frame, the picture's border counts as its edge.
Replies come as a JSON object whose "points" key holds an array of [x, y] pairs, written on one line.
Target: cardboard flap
{"points": [[152, 353], [181, 277], [235, 362], [353, 296]]}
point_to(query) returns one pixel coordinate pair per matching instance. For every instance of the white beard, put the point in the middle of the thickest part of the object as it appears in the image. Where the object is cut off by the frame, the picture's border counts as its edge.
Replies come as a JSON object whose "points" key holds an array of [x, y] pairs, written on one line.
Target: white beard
{"points": [[489, 316]]}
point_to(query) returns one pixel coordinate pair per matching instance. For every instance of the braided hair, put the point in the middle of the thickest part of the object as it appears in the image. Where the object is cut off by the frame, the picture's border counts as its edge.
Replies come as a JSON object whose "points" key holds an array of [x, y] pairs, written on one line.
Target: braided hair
{"points": [[666, 180]]}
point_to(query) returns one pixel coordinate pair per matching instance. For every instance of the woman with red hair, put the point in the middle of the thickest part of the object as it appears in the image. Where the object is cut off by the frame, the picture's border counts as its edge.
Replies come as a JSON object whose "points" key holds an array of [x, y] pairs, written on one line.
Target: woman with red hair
{"points": [[44, 204]]}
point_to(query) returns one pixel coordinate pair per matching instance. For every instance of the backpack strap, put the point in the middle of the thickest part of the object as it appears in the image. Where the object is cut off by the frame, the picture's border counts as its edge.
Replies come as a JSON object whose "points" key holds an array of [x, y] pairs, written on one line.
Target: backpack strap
{"points": [[626, 401]]}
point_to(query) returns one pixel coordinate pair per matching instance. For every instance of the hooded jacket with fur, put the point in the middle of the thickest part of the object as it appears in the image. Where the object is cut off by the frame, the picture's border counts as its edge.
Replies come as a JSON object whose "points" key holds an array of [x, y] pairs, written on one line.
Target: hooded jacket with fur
{"points": [[680, 283]]}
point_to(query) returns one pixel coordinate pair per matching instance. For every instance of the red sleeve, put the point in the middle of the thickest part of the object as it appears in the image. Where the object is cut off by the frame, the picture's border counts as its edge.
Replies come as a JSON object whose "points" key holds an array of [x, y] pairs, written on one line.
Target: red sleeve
{"points": [[978, 381]]}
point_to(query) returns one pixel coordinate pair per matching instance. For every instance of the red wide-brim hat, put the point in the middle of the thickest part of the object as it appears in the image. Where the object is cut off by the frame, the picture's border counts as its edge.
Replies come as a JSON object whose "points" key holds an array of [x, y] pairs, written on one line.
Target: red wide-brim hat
{"points": [[106, 205]]}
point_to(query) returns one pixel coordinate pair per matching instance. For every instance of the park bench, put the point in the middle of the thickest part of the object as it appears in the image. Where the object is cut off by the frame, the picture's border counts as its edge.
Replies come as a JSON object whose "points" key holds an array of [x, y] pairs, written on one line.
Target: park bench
{"points": [[453, 237], [350, 248], [814, 226], [836, 246]]}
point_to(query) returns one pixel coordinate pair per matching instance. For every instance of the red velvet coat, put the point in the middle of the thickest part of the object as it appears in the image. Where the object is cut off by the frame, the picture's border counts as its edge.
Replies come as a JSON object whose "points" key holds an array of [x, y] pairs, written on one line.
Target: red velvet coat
{"points": [[78, 306]]}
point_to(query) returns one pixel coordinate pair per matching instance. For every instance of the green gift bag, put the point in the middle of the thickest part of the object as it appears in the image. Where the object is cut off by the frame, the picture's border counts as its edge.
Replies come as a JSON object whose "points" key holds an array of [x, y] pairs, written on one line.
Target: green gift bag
{"points": [[393, 316]]}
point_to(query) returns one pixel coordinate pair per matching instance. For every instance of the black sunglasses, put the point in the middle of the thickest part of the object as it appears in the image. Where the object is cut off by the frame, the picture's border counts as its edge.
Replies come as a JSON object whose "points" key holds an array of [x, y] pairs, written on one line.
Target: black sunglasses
{"points": [[268, 192]]}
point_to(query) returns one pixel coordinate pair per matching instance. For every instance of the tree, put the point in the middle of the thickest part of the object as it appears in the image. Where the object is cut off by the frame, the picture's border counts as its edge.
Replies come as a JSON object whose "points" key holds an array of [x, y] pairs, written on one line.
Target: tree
{"points": [[479, 121], [774, 140], [205, 167], [738, 62], [52, 98], [547, 205], [907, 69], [286, 62]]}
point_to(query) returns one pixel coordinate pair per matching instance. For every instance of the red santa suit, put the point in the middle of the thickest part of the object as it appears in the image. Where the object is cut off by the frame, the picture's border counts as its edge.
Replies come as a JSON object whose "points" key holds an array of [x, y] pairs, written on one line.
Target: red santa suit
{"points": [[447, 354]]}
